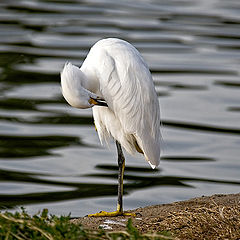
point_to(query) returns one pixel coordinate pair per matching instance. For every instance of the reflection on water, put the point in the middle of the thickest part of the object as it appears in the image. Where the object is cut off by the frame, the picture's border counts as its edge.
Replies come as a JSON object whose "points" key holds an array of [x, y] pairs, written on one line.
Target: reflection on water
{"points": [[87, 190], [200, 127], [50, 154], [31, 146]]}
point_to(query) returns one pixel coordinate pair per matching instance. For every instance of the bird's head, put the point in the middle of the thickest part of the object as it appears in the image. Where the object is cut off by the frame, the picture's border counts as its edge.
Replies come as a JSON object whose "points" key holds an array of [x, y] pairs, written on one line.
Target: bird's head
{"points": [[73, 82]]}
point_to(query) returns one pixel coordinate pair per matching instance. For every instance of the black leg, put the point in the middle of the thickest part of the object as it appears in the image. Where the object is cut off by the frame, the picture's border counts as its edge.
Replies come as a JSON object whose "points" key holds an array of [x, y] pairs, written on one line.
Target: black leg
{"points": [[121, 165], [119, 211]]}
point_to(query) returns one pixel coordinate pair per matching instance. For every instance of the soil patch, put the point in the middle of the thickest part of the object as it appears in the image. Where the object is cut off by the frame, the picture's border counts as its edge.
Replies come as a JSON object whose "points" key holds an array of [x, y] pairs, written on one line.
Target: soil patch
{"points": [[214, 217]]}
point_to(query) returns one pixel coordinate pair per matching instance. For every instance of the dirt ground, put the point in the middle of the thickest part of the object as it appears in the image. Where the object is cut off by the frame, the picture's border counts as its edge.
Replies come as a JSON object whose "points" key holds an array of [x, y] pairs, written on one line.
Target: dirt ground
{"points": [[214, 217]]}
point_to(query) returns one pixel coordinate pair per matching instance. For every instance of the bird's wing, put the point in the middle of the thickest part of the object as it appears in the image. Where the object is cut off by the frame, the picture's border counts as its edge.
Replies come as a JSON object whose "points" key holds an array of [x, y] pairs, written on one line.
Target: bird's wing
{"points": [[126, 85]]}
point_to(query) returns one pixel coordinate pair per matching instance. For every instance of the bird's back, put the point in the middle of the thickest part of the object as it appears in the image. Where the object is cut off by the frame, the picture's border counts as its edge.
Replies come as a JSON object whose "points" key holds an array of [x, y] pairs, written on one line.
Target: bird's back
{"points": [[125, 82]]}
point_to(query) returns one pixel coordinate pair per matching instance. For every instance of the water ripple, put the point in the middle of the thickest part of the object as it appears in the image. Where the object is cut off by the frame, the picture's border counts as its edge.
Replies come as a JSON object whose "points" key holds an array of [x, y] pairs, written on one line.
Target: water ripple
{"points": [[193, 51]]}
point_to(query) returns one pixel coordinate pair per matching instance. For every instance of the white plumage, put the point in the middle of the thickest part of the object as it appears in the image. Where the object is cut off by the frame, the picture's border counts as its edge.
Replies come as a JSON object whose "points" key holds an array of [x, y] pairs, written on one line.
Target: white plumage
{"points": [[114, 71]]}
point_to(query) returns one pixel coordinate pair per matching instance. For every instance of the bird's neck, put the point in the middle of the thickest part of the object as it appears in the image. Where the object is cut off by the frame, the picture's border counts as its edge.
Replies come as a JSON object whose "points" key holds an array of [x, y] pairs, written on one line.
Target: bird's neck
{"points": [[91, 83]]}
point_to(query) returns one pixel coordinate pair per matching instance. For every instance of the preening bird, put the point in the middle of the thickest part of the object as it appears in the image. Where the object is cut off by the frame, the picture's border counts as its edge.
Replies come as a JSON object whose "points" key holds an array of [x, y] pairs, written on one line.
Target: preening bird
{"points": [[116, 83]]}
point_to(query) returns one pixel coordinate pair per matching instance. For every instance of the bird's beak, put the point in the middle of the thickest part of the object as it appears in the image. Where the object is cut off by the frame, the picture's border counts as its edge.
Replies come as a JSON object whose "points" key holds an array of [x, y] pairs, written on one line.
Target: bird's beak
{"points": [[98, 102]]}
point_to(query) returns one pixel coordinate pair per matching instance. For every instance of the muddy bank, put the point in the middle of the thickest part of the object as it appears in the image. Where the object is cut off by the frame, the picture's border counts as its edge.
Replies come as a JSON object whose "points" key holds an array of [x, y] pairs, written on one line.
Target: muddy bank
{"points": [[214, 217]]}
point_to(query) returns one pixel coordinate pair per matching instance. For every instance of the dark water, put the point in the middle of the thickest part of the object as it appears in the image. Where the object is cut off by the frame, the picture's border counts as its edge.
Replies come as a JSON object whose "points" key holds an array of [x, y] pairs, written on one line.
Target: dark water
{"points": [[50, 155]]}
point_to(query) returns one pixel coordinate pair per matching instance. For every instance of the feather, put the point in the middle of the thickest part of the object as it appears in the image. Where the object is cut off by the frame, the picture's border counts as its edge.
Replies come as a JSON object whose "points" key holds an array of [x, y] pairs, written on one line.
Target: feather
{"points": [[125, 82]]}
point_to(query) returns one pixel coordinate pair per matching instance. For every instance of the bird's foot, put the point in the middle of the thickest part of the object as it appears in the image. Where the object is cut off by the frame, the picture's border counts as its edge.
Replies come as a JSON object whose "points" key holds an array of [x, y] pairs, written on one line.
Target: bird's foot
{"points": [[112, 214]]}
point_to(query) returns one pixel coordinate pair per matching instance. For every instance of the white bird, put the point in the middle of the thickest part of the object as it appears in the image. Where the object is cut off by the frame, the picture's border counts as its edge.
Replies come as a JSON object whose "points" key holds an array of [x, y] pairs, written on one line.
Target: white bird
{"points": [[116, 83]]}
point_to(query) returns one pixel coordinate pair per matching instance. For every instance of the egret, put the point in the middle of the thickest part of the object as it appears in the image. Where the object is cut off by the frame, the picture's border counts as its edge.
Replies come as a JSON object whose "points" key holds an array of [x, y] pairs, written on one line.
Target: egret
{"points": [[116, 83]]}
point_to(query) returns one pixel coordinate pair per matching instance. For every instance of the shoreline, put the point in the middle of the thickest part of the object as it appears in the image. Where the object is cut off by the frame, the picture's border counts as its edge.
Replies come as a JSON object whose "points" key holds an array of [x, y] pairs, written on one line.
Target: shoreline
{"points": [[206, 217]]}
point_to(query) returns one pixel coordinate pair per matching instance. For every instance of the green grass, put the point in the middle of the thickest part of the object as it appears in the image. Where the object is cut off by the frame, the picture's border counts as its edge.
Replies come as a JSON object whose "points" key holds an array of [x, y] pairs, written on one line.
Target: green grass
{"points": [[22, 226]]}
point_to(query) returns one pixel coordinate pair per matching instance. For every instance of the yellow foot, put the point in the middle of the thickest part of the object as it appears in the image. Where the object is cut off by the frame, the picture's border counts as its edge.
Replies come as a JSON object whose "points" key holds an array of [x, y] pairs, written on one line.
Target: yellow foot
{"points": [[111, 214]]}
